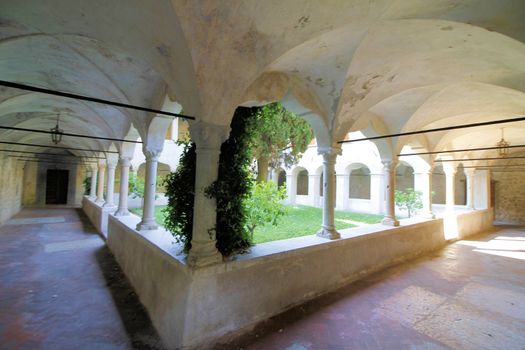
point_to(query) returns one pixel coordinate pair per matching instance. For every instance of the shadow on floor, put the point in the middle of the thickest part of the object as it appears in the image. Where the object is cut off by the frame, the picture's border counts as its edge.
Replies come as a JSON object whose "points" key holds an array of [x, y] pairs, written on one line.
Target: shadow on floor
{"points": [[134, 316]]}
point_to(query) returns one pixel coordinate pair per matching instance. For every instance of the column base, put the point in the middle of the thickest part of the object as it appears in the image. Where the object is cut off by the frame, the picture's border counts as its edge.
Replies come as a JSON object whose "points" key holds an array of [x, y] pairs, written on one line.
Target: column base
{"points": [[389, 222], [147, 226], [203, 254], [99, 201], [328, 233], [121, 212], [109, 206]]}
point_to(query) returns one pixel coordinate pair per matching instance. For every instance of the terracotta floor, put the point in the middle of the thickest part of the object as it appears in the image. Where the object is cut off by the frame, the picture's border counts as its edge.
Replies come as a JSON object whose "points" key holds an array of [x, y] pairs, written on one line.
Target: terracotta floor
{"points": [[470, 295], [60, 288]]}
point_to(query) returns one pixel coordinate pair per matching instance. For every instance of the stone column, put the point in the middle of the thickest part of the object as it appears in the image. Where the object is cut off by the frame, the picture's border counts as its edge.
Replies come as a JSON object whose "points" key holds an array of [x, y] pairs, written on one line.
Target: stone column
{"points": [[450, 173], [390, 188], [150, 188], [426, 197], [469, 173], [124, 185], [93, 189], [208, 140], [328, 229], [110, 189], [100, 188]]}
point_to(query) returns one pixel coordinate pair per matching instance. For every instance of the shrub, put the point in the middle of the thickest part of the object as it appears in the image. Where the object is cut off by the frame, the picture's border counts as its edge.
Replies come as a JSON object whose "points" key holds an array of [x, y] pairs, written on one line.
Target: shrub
{"points": [[409, 200], [264, 205]]}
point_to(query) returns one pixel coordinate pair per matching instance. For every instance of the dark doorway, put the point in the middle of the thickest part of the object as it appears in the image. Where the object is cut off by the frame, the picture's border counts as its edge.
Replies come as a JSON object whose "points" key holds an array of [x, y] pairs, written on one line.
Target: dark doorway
{"points": [[56, 186]]}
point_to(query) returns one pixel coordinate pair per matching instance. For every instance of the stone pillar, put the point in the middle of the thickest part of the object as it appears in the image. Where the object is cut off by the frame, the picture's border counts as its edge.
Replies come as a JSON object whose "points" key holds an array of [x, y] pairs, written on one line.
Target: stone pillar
{"points": [[389, 168], [342, 191], [469, 173], [328, 229], [426, 197], [208, 140], [124, 185], [93, 189], [275, 176], [450, 173], [100, 188], [110, 188], [150, 188]]}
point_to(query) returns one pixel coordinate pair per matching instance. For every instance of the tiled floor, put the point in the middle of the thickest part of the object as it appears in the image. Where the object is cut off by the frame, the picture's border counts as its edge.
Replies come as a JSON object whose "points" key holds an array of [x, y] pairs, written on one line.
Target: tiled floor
{"points": [[60, 288], [471, 295]]}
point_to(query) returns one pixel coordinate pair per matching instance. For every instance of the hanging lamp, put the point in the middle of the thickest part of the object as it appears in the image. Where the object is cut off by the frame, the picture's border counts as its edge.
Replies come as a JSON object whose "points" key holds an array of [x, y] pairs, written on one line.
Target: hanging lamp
{"points": [[56, 132]]}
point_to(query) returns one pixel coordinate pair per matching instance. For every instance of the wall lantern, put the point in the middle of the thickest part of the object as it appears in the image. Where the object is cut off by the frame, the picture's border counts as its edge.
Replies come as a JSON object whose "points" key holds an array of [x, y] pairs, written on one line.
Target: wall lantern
{"points": [[503, 146], [56, 132]]}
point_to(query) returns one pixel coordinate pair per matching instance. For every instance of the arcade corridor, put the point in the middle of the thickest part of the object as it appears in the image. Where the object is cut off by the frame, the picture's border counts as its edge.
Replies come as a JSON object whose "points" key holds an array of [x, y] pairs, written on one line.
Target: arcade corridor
{"points": [[61, 289]]}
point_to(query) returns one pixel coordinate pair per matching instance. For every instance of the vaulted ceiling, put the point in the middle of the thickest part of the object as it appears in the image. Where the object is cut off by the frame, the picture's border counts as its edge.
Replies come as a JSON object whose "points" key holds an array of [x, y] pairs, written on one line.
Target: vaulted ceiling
{"points": [[388, 66]]}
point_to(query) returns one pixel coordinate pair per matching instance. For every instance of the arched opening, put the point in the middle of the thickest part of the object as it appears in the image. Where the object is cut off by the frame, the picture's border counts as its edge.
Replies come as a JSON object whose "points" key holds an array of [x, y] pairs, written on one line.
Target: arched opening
{"points": [[359, 182], [460, 186], [302, 183], [438, 185], [281, 177], [404, 176]]}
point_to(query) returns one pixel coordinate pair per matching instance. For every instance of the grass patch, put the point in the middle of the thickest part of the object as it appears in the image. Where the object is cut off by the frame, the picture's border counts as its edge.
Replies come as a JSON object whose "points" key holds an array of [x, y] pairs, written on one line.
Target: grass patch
{"points": [[303, 221], [300, 221]]}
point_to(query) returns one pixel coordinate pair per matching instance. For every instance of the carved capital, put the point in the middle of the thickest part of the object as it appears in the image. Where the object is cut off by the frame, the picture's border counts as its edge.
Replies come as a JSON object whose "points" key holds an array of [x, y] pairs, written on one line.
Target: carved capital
{"points": [[151, 155], [207, 135], [125, 161], [389, 165], [101, 167]]}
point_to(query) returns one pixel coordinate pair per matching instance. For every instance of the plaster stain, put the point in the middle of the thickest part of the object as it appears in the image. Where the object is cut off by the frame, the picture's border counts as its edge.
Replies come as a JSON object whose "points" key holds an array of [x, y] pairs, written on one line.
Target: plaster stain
{"points": [[447, 28]]}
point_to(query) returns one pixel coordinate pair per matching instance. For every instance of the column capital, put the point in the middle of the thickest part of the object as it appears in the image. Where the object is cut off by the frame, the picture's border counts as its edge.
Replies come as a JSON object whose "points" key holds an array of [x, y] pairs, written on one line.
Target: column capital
{"points": [[329, 151], [469, 172], [125, 161], [101, 166], [389, 165], [112, 165], [151, 155], [207, 135]]}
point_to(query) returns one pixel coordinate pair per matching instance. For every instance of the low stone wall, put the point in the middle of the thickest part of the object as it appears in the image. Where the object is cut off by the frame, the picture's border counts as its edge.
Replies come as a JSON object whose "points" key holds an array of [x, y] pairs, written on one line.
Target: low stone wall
{"points": [[97, 214], [191, 308]]}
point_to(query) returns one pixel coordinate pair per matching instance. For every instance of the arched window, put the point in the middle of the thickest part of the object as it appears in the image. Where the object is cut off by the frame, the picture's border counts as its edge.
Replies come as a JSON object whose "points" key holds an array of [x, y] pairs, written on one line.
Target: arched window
{"points": [[404, 177], [281, 179], [360, 183], [302, 183]]}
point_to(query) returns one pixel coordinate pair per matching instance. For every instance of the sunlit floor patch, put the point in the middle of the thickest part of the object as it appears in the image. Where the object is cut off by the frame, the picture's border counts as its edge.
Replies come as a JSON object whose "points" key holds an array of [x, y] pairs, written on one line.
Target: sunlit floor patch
{"points": [[73, 245], [33, 221]]}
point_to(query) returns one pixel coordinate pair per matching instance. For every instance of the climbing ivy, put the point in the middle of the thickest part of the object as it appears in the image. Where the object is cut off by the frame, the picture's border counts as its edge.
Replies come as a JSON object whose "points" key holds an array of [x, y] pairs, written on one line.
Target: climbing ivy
{"points": [[180, 190], [233, 185], [231, 189]]}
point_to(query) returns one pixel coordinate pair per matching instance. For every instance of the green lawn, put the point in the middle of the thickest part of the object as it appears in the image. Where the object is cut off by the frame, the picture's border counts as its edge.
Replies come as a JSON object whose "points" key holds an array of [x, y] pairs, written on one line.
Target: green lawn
{"points": [[300, 221]]}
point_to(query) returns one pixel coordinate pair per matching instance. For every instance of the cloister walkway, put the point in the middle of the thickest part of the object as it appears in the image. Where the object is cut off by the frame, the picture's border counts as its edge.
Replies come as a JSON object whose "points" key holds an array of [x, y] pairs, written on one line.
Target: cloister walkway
{"points": [[61, 289], [470, 295]]}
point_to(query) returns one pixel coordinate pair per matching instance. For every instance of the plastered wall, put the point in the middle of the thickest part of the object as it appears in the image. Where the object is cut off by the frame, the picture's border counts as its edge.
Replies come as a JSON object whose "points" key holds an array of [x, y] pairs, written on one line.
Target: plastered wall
{"points": [[11, 174]]}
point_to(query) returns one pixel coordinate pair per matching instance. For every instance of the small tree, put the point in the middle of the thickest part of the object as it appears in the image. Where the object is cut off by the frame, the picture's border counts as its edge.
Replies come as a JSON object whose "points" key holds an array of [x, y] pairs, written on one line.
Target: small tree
{"points": [[264, 205], [136, 186], [409, 200]]}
